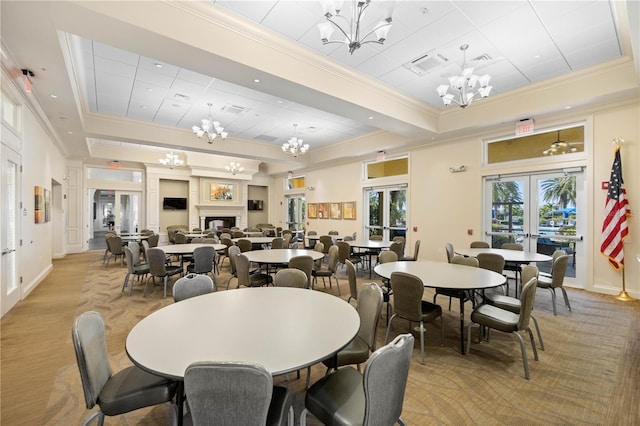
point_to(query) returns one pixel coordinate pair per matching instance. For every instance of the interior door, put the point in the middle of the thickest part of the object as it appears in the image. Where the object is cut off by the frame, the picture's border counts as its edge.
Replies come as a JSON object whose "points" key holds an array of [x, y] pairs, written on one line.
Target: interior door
{"points": [[127, 213], [10, 245], [296, 211], [541, 212], [386, 212]]}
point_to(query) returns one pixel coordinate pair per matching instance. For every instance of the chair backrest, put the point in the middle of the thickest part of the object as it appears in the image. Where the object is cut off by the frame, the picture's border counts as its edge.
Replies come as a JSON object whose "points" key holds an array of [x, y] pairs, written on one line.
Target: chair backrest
{"points": [[153, 240], [242, 270], [468, 261], [491, 261], [513, 246], [450, 252], [90, 346], [225, 235], [319, 247], [385, 381], [128, 257], [333, 233], [527, 298], [407, 295], [556, 254], [210, 240], [559, 270], [397, 247], [375, 237], [291, 278], [197, 240], [192, 285], [327, 240], [348, 238], [115, 245], [332, 262], [479, 244], [286, 240], [196, 230], [351, 277], [276, 243], [303, 263], [180, 238], [234, 251], [156, 260], [369, 307], [312, 233], [416, 249], [134, 246], [228, 393], [387, 256], [145, 247], [528, 272], [344, 251], [203, 258], [244, 244]]}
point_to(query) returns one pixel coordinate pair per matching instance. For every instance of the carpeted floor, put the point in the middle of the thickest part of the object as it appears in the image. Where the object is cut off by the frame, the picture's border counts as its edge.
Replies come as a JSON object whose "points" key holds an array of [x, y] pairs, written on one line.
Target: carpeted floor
{"points": [[586, 375]]}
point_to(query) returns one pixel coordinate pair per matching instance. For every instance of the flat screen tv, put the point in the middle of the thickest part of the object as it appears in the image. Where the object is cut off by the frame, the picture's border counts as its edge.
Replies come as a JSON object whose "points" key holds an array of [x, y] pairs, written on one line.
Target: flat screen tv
{"points": [[254, 205], [172, 203]]}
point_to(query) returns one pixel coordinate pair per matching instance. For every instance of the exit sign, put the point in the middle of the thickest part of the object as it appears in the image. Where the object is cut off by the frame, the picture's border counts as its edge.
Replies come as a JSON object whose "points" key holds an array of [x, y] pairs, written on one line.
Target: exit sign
{"points": [[524, 127]]}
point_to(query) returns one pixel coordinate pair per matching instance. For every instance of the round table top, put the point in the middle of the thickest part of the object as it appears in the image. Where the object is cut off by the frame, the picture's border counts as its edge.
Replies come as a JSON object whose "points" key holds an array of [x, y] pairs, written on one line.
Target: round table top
{"points": [[508, 255], [370, 244], [444, 275], [133, 237], [188, 248], [280, 255], [255, 240], [282, 328]]}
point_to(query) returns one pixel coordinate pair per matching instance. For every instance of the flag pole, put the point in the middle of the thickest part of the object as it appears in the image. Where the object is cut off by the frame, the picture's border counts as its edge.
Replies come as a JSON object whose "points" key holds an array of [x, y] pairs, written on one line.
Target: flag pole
{"points": [[623, 295]]}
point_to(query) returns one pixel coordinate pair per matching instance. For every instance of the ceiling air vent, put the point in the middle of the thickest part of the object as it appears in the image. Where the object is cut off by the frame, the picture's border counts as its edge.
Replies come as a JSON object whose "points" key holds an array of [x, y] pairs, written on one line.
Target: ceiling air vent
{"points": [[182, 97], [235, 109], [266, 138], [426, 63]]}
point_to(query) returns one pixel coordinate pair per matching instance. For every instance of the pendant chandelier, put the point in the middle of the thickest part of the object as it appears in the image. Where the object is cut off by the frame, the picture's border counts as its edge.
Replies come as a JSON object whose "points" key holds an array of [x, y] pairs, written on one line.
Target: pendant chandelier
{"points": [[559, 147], [234, 168], [210, 129], [353, 27], [464, 85], [172, 160], [294, 146]]}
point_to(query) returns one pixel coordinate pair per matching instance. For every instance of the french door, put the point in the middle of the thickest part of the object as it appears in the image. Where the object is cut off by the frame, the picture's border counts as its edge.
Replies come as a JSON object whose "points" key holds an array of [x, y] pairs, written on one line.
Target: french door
{"points": [[296, 211], [10, 206], [386, 212], [127, 212], [543, 212]]}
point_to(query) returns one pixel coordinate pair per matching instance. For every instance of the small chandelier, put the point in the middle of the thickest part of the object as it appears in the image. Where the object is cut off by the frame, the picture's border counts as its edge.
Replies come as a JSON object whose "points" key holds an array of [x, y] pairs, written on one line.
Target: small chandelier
{"points": [[210, 129], [560, 147], [234, 168], [352, 27], [464, 84], [172, 160], [294, 146]]}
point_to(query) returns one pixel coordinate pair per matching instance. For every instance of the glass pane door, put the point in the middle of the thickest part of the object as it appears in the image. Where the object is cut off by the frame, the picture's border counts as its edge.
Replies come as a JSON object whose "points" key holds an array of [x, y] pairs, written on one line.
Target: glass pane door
{"points": [[10, 205], [386, 213], [127, 212], [296, 212]]}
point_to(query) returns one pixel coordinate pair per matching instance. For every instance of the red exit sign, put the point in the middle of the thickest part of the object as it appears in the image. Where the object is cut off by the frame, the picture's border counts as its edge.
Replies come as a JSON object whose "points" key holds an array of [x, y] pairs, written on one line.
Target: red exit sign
{"points": [[524, 127]]}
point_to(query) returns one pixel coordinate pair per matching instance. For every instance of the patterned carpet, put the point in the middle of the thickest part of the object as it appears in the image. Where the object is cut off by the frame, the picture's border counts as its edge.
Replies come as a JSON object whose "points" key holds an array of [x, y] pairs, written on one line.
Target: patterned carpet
{"points": [[574, 382]]}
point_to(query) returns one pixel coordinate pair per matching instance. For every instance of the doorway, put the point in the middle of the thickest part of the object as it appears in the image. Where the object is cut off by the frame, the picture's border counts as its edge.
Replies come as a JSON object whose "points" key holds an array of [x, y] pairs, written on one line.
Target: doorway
{"points": [[112, 210], [11, 291], [386, 212], [542, 211], [296, 211]]}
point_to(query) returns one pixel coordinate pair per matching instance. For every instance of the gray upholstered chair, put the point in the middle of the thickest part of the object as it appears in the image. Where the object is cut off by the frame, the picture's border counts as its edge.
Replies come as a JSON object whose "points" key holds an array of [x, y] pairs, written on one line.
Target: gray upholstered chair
{"points": [[408, 304], [344, 253], [203, 260], [513, 304], [414, 256], [237, 234], [346, 397], [192, 285], [246, 278], [116, 251], [127, 390], [556, 280], [277, 242], [450, 251], [134, 246], [333, 233], [291, 278], [319, 247], [492, 262], [153, 240], [133, 270], [329, 271], [357, 351], [244, 244], [513, 266], [303, 263], [234, 393], [462, 295], [224, 253], [286, 240], [234, 251], [398, 248], [387, 256], [375, 237], [158, 268], [479, 244], [353, 282], [327, 240], [509, 322], [554, 256], [107, 235], [180, 238]]}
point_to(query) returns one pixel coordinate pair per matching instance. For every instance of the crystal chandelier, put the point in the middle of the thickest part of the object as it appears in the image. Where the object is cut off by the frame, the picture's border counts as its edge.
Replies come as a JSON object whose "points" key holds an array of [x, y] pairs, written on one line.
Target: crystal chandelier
{"points": [[172, 160], [352, 27], [234, 168], [464, 85], [294, 146], [210, 129]]}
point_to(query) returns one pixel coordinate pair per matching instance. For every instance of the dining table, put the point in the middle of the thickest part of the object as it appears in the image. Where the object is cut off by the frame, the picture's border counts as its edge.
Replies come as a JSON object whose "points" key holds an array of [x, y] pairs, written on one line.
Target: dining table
{"points": [[256, 241], [279, 256], [283, 329], [371, 247], [133, 237], [445, 276]]}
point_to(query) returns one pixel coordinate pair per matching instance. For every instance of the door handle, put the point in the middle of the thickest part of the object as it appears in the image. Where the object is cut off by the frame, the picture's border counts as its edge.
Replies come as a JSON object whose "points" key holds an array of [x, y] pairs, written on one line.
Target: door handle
{"points": [[7, 251]]}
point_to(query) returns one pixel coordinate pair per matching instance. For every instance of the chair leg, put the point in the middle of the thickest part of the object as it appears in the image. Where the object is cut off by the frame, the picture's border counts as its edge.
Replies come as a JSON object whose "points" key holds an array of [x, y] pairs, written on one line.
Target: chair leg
{"points": [[553, 299], [166, 280], [468, 339], [421, 341], [524, 354], [535, 323], [303, 417], [566, 298], [386, 336], [533, 344], [126, 280]]}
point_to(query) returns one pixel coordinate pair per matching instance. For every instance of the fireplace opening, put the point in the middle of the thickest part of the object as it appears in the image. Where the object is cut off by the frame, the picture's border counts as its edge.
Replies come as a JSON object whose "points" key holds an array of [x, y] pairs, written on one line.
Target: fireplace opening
{"points": [[216, 223]]}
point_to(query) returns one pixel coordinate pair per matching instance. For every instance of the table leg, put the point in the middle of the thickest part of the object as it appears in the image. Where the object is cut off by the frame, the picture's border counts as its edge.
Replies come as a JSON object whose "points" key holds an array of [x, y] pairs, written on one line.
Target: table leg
{"points": [[462, 325]]}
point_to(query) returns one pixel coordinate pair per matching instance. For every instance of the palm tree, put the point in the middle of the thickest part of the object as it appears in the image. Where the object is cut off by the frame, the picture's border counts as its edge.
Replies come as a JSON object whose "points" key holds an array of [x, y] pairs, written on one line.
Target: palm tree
{"points": [[506, 192], [560, 191]]}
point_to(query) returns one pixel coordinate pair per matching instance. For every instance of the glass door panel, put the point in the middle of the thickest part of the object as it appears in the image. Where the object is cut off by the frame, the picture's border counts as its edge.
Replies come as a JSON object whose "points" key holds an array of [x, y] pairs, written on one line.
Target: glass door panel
{"points": [[127, 212], [9, 246], [386, 212], [296, 212]]}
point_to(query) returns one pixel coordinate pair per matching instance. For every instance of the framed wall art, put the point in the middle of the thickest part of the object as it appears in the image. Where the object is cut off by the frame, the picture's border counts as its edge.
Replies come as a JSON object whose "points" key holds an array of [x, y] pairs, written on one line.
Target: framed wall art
{"points": [[38, 206], [349, 210], [312, 210], [323, 211], [47, 205], [336, 210], [221, 192]]}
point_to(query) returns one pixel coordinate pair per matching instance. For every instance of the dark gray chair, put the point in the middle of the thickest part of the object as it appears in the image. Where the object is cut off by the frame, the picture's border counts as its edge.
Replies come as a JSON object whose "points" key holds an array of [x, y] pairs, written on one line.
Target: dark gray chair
{"points": [[115, 394], [330, 270], [513, 266], [192, 285], [463, 295], [276, 243], [479, 244], [133, 270], [303, 263], [353, 282], [414, 256], [509, 322], [327, 240], [233, 253], [246, 278], [344, 253], [291, 278], [158, 268], [558, 271], [115, 246], [244, 244], [234, 393], [346, 397], [387, 256], [203, 260], [408, 304]]}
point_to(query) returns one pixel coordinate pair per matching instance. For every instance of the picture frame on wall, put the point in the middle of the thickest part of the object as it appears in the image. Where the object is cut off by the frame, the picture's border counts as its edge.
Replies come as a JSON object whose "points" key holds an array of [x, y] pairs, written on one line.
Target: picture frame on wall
{"points": [[47, 205], [336, 210], [323, 211], [221, 192], [38, 206], [312, 210], [349, 210]]}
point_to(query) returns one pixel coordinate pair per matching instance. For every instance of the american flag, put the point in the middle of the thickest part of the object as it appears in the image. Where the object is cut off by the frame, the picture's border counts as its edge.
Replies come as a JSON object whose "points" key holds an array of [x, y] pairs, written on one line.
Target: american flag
{"points": [[614, 227]]}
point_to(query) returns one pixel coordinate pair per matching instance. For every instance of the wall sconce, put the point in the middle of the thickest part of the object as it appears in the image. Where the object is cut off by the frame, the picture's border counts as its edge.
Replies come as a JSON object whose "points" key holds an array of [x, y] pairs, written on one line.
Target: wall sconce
{"points": [[458, 169], [290, 174], [311, 188]]}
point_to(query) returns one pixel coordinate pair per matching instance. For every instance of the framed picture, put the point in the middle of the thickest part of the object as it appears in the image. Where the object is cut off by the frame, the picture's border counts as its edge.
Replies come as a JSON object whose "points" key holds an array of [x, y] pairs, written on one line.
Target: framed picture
{"points": [[323, 211], [349, 210], [221, 192], [336, 210], [312, 211], [47, 205], [38, 206]]}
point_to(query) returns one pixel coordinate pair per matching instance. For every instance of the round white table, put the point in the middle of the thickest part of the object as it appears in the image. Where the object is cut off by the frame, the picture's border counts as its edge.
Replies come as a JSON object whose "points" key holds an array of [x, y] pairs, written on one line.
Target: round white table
{"points": [[279, 256], [284, 329], [255, 240], [372, 247], [188, 248], [445, 275]]}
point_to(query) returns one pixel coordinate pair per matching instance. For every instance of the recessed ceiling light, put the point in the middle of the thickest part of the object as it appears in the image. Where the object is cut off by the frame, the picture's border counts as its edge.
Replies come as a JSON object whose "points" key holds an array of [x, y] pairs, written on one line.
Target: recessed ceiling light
{"points": [[256, 80], [279, 101], [149, 89], [158, 65], [370, 118], [54, 96], [143, 107], [70, 132], [567, 107], [536, 56]]}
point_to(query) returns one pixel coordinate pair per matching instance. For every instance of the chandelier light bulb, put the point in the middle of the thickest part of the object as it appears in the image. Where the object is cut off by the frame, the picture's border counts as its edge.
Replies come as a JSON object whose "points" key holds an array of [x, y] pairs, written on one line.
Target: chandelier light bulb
{"points": [[209, 130], [464, 85], [172, 160], [234, 168], [295, 146]]}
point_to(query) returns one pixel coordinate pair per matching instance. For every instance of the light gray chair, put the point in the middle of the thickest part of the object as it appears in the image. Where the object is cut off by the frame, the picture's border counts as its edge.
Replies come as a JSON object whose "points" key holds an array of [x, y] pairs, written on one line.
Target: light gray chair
{"points": [[291, 278], [387, 256], [344, 253], [513, 266], [277, 242], [492, 262], [358, 350], [153, 240], [462, 295], [303, 263], [134, 246], [234, 251], [327, 241], [408, 304], [398, 248], [509, 322], [554, 256], [115, 246], [234, 393], [192, 285], [246, 278], [127, 390], [319, 247], [479, 244], [556, 280], [450, 251], [203, 261], [133, 270], [346, 397], [158, 268], [329, 271], [414, 256]]}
